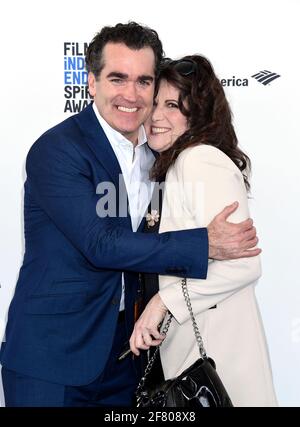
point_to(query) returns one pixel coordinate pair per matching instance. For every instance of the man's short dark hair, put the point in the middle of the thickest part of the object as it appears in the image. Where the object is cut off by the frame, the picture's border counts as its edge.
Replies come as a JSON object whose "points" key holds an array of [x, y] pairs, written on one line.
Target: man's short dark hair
{"points": [[133, 35]]}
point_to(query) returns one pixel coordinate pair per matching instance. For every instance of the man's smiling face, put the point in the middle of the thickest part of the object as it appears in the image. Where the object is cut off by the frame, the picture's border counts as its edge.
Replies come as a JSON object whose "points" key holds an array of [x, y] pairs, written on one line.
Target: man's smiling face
{"points": [[123, 92]]}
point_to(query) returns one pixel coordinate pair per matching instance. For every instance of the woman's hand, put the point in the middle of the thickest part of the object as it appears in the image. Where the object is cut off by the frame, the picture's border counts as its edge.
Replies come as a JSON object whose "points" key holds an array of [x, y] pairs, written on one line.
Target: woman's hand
{"points": [[145, 333]]}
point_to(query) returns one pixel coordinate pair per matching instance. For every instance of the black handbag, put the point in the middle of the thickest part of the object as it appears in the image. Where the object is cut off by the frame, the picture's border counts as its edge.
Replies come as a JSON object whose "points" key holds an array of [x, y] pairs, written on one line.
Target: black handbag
{"points": [[198, 386]]}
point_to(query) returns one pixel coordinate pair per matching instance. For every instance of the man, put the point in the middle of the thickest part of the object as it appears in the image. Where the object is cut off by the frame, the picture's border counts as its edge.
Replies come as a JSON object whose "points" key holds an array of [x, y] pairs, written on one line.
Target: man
{"points": [[72, 310]]}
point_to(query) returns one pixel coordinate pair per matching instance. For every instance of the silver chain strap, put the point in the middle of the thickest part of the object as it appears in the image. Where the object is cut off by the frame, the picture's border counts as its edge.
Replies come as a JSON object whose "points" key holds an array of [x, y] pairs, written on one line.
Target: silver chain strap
{"points": [[195, 326], [165, 330], [152, 360]]}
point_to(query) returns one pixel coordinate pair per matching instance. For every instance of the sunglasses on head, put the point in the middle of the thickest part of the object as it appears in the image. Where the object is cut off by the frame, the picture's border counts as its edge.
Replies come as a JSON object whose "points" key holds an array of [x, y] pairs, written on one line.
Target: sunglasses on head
{"points": [[185, 67]]}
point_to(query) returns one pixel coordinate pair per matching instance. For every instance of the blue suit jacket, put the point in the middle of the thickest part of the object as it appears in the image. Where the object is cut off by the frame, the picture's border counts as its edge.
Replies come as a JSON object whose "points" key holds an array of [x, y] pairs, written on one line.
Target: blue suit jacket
{"points": [[63, 315]]}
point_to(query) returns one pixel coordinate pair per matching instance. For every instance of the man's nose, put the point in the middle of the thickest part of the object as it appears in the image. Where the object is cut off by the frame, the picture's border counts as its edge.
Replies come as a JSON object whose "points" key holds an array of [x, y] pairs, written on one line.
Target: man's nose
{"points": [[130, 92]]}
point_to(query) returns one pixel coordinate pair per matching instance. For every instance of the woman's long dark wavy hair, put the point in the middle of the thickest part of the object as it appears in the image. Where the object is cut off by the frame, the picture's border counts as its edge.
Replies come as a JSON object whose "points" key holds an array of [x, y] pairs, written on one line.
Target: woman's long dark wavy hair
{"points": [[208, 115]]}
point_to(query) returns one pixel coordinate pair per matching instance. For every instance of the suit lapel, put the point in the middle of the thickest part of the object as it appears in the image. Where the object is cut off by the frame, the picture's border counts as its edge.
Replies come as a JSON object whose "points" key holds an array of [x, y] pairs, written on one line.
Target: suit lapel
{"points": [[98, 142]]}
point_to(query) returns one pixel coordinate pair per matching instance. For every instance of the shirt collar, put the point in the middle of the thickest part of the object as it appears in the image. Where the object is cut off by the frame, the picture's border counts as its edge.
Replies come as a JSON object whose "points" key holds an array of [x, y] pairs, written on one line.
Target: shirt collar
{"points": [[117, 136]]}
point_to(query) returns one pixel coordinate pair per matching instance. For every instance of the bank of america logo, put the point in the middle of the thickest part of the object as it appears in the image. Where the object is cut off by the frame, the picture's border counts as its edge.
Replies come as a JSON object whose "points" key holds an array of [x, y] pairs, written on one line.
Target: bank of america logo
{"points": [[265, 77]]}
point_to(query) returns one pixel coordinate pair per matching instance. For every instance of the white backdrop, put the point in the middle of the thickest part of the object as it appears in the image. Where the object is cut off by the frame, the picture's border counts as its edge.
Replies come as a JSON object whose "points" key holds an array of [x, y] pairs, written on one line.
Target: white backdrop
{"points": [[241, 39]]}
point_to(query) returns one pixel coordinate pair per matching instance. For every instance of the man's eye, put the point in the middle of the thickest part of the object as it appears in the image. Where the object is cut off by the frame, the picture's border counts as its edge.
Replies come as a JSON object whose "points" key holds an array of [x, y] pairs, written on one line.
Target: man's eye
{"points": [[117, 81], [172, 105], [144, 83]]}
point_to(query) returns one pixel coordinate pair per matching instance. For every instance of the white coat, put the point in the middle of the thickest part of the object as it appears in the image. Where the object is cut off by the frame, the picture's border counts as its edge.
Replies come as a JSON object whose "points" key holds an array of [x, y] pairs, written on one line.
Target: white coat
{"points": [[198, 186]]}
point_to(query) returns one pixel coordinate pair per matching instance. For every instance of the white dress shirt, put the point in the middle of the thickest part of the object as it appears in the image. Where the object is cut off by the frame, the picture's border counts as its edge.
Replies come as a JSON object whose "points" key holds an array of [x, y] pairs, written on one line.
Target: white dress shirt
{"points": [[135, 163]]}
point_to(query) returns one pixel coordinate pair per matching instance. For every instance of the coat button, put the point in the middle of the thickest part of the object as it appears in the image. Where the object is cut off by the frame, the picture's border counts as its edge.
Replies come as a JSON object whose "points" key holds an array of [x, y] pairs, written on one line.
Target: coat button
{"points": [[114, 301]]}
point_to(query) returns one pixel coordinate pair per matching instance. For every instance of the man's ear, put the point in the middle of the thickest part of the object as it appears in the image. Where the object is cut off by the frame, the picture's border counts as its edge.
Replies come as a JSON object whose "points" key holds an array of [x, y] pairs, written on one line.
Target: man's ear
{"points": [[92, 84]]}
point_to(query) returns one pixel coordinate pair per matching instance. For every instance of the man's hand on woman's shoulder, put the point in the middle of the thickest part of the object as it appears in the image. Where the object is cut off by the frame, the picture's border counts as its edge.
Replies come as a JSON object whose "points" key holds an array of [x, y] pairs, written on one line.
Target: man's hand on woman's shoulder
{"points": [[231, 241]]}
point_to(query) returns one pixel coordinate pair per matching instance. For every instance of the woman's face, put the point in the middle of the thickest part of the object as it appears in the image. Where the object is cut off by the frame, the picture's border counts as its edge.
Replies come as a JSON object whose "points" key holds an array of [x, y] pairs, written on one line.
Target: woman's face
{"points": [[166, 123]]}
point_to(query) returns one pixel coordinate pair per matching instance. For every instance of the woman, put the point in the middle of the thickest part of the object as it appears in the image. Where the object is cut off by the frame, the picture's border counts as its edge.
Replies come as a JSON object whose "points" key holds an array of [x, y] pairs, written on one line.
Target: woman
{"points": [[191, 129]]}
